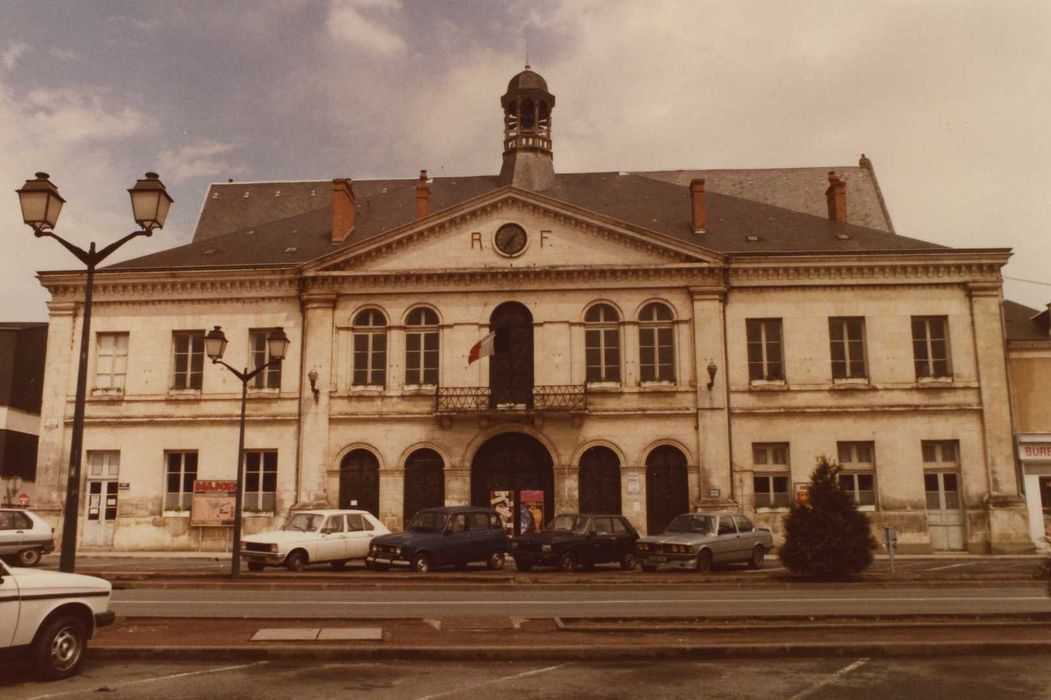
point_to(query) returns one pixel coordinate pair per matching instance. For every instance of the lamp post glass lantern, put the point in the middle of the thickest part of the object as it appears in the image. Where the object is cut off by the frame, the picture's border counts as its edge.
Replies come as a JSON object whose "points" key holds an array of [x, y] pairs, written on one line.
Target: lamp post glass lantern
{"points": [[41, 204], [215, 346]]}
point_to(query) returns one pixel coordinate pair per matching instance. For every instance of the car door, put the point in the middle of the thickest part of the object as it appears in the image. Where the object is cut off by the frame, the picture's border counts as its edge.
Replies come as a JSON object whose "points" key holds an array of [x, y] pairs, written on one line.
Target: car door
{"points": [[623, 539], [480, 537], [746, 538], [725, 541], [603, 544], [456, 545], [10, 533], [359, 535], [332, 541], [8, 605]]}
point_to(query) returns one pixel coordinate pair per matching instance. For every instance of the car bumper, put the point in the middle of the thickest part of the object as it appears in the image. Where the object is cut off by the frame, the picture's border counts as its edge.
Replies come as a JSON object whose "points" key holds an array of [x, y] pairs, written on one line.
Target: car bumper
{"points": [[669, 561], [105, 619], [386, 561], [271, 558]]}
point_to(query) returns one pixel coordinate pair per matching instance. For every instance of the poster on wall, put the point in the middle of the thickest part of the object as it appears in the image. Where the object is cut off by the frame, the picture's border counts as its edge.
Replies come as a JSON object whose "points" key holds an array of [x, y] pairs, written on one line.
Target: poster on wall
{"points": [[213, 504], [503, 503], [531, 511]]}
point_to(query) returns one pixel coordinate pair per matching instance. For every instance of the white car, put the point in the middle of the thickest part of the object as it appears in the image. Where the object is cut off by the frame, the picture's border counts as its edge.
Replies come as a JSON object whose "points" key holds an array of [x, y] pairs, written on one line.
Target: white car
{"points": [[312, 537], [24, 536], [51, 615]]}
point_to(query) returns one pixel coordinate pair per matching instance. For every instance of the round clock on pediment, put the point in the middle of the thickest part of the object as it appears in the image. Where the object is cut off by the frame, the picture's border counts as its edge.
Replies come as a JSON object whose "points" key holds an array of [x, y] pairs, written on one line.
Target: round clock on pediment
{"points": [[510, 239]]}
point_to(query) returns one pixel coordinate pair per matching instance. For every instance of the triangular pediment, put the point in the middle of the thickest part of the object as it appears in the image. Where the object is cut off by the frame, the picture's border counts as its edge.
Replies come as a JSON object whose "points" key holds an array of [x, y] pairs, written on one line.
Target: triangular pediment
{"points": [[555, 236]]}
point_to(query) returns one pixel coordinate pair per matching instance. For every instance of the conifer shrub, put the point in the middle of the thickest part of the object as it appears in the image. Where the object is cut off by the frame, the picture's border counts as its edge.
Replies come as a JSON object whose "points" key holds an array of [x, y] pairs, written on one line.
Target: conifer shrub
{"points": [[827, 537]]}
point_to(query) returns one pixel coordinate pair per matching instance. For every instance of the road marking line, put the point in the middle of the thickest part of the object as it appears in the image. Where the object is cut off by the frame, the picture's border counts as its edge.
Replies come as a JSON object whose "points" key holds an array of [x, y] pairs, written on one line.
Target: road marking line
{"points": [[115, 686], [829, 679], [764, 571], [950, 566], [516, 676]]}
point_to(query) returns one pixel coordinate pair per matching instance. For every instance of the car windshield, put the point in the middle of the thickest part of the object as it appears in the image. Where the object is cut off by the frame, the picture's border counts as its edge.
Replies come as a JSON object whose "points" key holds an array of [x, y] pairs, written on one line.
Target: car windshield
{"points": [[304, 522], [692, 523], [576, 524], [428, 522]]}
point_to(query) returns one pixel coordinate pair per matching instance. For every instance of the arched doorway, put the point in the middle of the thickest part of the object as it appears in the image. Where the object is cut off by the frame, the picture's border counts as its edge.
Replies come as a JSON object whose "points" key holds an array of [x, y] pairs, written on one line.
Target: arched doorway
{"points": [[516, 467], [599, 481], [667, 487], [359, 482], [511, 365], [424, 483]]}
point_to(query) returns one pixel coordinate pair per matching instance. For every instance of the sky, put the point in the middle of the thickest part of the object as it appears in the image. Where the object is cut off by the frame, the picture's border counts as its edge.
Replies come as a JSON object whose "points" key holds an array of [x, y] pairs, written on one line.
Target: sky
{"points": [[949, 99]]}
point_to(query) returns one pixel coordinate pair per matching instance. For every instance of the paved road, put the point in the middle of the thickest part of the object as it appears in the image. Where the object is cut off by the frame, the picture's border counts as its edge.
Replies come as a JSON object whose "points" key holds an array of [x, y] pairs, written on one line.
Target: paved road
{"points": [[971, 678], [537, 603]]}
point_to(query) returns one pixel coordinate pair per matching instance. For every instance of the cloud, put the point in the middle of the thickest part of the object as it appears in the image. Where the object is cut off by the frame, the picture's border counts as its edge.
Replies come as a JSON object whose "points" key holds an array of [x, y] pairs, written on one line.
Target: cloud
{"points": [[349, 22], [203, 160], [9, 58], [68, 115], [63, 54]]}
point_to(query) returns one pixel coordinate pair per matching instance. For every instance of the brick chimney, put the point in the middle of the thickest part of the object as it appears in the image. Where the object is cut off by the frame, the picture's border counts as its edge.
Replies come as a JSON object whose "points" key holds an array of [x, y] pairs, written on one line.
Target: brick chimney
{"points": [[700, 215], [343, 204], [836, 196], [423, 196]]}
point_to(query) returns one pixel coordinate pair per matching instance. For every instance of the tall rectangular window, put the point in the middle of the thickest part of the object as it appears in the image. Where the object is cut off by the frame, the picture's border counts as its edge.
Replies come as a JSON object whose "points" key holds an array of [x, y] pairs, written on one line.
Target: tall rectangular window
{"points": [[858, 478], [930, 346], [847, 339], [772, 474], [111, 360], [656, 343], [765, 358], [941, 474], [188, 364], [269, 378], [180, 473], [602, 344], [260, 480], [421, 347]]}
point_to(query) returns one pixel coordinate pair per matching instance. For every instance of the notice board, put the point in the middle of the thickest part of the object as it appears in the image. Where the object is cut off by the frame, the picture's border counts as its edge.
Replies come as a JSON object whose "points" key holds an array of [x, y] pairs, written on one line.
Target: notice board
{"points": [[213, 503]]}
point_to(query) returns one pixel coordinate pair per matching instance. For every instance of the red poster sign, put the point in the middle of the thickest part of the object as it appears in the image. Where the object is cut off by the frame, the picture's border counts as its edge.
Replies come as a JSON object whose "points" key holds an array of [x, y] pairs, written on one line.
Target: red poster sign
{"points": [[213, 503]]}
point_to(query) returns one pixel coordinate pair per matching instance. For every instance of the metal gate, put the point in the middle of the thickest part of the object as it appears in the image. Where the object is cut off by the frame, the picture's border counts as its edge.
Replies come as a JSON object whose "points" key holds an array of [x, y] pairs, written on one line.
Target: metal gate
{"points": [[424, 483], [599, 481], [511, 365], [667, 488], [100, 508], [944, 514], [359, 482]]}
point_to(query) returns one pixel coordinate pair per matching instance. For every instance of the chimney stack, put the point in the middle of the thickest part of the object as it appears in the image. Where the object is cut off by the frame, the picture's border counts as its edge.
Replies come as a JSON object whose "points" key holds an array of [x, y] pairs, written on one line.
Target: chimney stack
{"points": [[423, 196], [700, 216], [836, 196], [343, 205]]}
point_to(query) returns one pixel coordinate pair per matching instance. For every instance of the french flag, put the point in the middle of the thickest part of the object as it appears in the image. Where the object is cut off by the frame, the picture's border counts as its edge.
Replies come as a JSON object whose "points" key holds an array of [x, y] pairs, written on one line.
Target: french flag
{"points": [[483, 348]]}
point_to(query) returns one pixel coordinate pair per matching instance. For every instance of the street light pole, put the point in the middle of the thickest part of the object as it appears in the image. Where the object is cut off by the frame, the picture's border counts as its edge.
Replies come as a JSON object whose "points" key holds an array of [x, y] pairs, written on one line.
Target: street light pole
{"points": [[214, 347], [41, 205]]}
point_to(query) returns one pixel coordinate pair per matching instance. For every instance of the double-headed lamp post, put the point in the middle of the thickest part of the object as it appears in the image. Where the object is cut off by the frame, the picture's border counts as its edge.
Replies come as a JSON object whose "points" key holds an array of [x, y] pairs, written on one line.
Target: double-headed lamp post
{"points": [[41, 204], [214, 347]]}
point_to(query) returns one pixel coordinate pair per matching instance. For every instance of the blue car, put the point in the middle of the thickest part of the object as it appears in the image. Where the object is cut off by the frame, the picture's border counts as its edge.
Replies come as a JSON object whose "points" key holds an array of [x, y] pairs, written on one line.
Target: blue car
{"points": [[454, 535]]}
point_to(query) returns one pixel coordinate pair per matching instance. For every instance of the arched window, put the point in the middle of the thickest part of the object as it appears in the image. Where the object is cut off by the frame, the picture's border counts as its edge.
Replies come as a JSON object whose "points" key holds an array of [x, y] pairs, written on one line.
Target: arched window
{"points": [[602, 344], [370, 349], [421, 347], [656, 343]]}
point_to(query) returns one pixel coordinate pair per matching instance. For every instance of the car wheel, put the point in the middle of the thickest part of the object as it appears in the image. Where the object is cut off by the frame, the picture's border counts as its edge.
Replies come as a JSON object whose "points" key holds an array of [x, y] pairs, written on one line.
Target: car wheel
{"points": [[296, 561], [59, 648], [255, 566], [495, 562], [649, 567], [524, 565], [28, 557], [704, 561], [628, 561], [758, 556], [421, 563], [567, 562], [339, 564]]}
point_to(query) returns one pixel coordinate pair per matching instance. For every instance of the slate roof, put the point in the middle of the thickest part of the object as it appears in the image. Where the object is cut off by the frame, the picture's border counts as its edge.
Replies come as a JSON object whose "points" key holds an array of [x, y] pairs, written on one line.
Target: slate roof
{"points": [[1024, 323], [749, 211]]}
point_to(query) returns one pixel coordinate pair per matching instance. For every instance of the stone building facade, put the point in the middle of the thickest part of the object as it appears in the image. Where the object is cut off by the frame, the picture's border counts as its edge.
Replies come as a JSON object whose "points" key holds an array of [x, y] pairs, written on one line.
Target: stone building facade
{"points": [[664, 341]]}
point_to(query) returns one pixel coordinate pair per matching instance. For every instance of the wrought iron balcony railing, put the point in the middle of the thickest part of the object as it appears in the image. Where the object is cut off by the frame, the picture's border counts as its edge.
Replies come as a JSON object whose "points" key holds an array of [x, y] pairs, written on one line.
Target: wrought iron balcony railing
{"points": [[566, 398]]}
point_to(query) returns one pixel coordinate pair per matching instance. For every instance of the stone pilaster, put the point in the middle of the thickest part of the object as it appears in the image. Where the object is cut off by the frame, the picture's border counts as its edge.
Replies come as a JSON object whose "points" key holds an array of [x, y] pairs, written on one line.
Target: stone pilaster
{"points": [[713, 412], [314, 457], [53, 446]]}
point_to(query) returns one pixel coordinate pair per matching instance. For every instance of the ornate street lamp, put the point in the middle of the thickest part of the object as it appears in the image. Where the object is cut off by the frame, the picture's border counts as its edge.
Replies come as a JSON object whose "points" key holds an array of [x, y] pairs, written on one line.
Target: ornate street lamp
{"points": [[214, 347], [41, 205]]}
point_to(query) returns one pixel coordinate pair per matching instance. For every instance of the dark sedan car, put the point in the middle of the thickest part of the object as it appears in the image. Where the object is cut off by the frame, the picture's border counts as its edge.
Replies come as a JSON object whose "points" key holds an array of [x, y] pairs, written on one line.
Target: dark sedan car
{"points": [[575, 539], [456, 535]]}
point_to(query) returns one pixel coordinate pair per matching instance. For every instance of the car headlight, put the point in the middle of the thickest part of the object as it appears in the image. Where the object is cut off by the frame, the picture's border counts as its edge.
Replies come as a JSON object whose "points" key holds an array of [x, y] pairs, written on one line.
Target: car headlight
{"points": [[643, 547], [373, 548], [397, 551], [273, 548], [545, 548]]}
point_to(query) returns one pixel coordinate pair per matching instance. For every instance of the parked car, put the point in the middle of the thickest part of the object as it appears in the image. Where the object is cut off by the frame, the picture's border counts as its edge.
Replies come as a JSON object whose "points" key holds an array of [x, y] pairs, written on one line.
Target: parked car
{"points": [[314, 537], [51, 615], [574, 539], [456, 535], [698, 540], [24, 537]]}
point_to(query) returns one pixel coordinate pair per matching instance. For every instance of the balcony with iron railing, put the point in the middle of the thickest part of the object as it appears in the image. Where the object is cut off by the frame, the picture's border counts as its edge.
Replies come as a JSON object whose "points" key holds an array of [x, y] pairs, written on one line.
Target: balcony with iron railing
{"points": [[557, 398]]}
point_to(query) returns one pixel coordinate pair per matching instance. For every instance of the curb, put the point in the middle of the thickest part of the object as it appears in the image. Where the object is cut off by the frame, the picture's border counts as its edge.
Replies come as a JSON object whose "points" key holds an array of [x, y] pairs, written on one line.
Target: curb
{"points": [[573, 652]]}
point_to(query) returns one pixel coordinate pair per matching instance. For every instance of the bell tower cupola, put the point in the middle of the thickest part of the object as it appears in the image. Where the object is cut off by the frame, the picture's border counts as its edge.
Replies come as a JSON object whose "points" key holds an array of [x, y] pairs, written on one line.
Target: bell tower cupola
{"points": [[528, 162]]}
